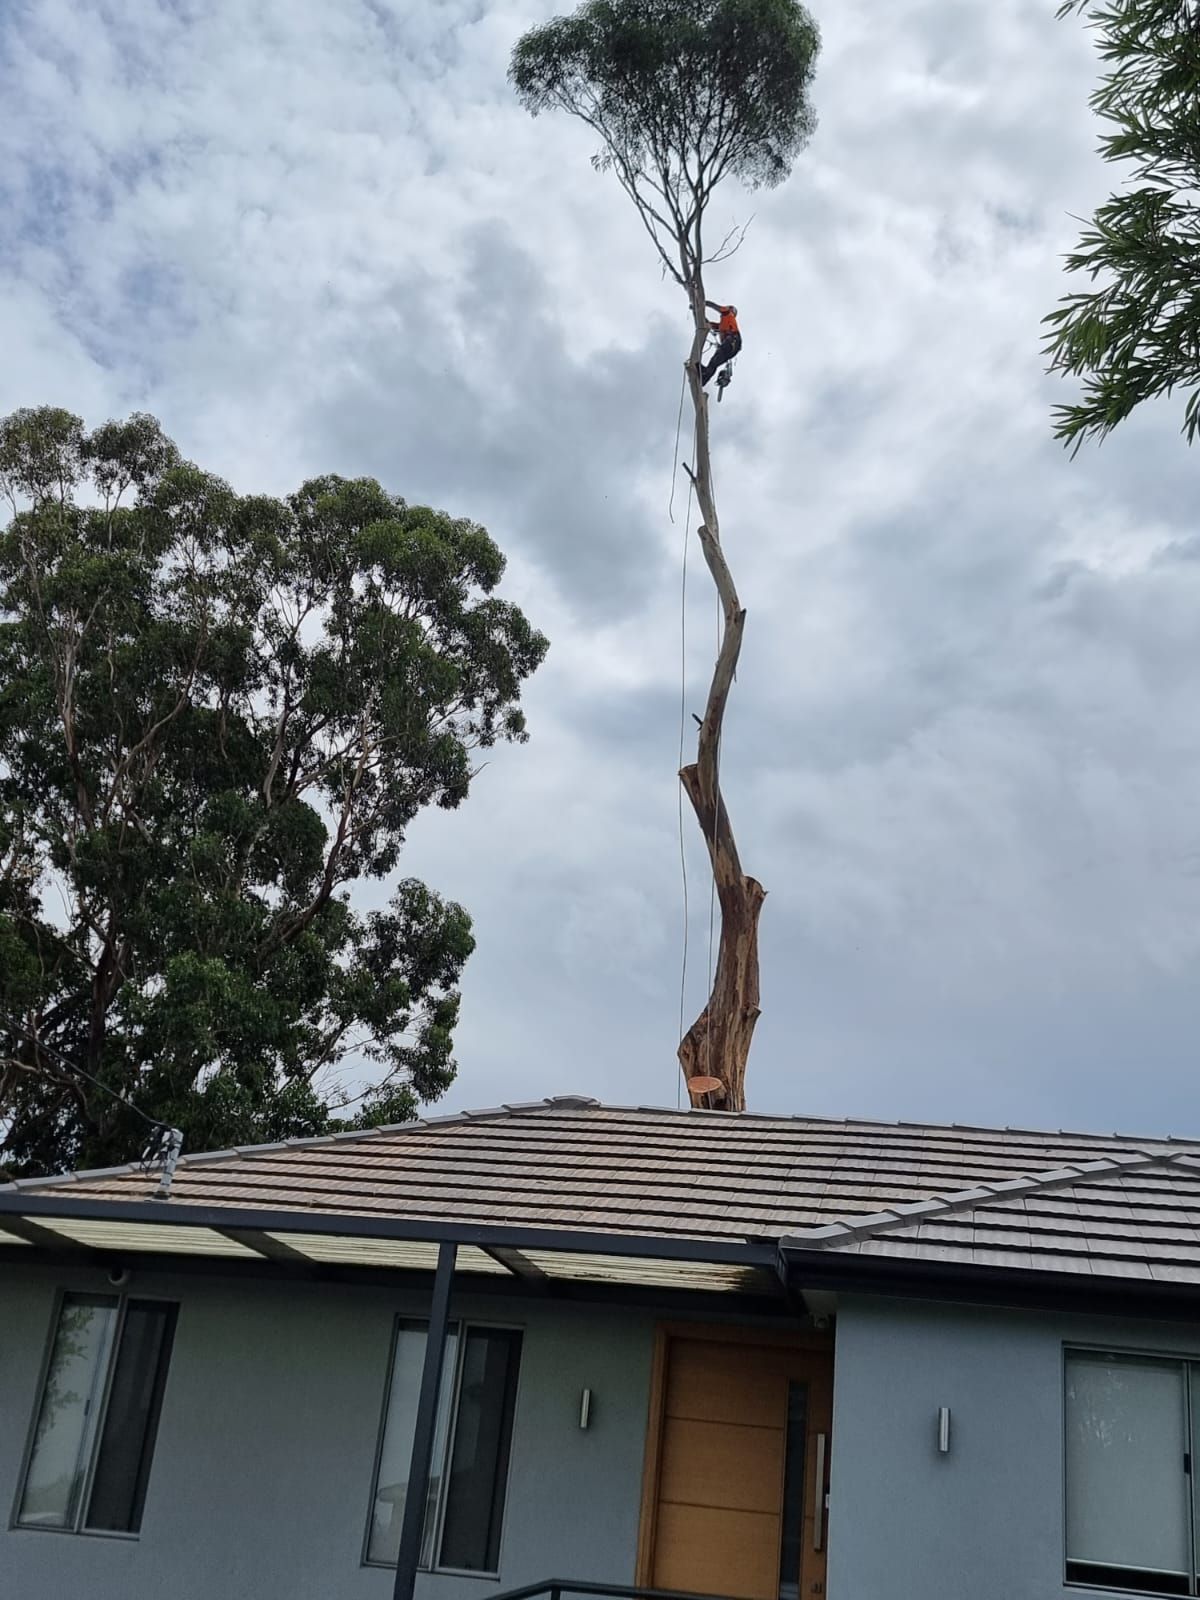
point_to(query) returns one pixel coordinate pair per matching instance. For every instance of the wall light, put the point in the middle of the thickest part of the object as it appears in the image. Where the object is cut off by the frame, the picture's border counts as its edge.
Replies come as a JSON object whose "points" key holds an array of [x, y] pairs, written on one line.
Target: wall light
{"points": [[585, 1408], [943, 1430]]}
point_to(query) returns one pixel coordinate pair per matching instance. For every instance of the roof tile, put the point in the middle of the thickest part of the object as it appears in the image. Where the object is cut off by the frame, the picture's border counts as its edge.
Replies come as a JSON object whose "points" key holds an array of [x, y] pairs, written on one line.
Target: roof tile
{"points": [[1013, 1198]]}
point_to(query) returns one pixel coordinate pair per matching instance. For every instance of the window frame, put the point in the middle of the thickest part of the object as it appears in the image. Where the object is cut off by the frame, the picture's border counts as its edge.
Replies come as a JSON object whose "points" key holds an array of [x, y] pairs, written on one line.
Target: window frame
{"points": [[460, 1327], [1189, 1365], [79, 1528]]}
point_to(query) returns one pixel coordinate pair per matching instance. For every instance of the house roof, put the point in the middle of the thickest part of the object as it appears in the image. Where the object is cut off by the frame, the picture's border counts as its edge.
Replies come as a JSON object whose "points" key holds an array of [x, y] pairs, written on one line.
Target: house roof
{"points": [[1126, 1216], [616, 1177]]}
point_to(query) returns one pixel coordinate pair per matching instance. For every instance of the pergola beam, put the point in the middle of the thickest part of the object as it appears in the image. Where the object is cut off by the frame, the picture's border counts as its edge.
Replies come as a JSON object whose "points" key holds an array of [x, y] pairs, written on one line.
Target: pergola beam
{"points": [[236, 1220], [416, 1495], [519, 1265]]}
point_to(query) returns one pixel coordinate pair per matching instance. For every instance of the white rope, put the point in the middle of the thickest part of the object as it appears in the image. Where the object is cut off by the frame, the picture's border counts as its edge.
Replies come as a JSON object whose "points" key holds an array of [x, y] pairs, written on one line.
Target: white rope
{"points": [[712, 895], [712, 888], [675, 453], [678, 784]]}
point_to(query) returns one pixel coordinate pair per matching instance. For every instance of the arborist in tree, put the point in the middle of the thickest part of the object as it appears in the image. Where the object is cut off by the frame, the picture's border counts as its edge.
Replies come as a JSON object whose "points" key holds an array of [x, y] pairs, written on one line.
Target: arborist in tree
{"points": [[729, 339]]}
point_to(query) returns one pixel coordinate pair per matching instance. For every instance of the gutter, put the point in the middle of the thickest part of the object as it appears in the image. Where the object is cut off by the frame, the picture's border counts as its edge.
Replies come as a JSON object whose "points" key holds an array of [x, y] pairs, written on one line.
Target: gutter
{"points": [[804, 1269]]}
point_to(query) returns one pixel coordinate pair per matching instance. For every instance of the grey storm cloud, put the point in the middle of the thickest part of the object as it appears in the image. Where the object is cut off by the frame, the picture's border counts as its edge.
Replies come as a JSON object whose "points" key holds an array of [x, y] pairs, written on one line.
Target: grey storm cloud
{"points": [[493, 437], [963, 750]]}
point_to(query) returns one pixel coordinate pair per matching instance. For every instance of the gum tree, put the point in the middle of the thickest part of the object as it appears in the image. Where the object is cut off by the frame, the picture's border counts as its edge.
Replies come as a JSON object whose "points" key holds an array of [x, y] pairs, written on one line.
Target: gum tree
{"points": [[218, 714], [682, 95]]}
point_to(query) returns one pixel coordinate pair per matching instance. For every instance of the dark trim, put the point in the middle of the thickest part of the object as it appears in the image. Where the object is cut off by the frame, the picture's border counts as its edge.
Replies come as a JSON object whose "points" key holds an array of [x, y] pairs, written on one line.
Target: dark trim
{"points": [[416, 1496], [262, 1244], [795, 1269], [400, 1280], [1019, 1288], [231, 1219], [520, 1266], [32, 1233], [556, 1587]]}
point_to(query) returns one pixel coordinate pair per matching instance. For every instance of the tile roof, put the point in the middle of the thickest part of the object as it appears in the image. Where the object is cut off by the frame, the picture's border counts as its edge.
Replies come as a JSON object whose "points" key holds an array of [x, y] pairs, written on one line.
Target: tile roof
{"points": [[1126, 1217], [1115, 1205]]}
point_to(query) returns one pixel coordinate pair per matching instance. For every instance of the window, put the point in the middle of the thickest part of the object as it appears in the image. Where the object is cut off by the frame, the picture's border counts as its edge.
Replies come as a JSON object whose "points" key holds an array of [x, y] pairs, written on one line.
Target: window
{"points": [[1132, 1517], [469, 1474], [89, 1463]]}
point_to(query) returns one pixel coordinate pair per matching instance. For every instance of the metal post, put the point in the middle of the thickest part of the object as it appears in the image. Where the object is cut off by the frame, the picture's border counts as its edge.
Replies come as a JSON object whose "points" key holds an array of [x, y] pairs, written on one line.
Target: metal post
{"points": [[417, 1493]]}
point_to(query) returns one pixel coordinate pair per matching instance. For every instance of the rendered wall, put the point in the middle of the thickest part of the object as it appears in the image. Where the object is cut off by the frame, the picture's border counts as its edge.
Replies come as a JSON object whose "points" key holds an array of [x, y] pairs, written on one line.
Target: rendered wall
{"points": [[262, 1474], [984, 1522]]}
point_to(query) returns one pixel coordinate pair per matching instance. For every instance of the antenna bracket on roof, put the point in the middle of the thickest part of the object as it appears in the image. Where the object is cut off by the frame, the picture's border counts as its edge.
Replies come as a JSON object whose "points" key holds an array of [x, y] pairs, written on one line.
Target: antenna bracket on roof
{"points": [[174, 1145]]}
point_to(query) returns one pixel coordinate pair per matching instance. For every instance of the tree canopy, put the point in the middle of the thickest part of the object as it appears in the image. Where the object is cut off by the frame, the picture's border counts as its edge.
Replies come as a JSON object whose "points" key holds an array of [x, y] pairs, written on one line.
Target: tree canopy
{"points": [[681, 93], [1136, 333], [217, 714]]}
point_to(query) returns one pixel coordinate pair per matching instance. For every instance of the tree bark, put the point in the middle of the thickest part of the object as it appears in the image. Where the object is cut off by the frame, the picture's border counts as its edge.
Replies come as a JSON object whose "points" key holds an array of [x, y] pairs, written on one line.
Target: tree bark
{"points": [[717, 1045]]}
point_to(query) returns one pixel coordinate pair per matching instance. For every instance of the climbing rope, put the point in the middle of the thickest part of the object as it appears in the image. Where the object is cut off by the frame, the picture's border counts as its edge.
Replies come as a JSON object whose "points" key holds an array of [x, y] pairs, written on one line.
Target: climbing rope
{"points": [[687, 525], [712, 888], [675, 465], [712, 893]]}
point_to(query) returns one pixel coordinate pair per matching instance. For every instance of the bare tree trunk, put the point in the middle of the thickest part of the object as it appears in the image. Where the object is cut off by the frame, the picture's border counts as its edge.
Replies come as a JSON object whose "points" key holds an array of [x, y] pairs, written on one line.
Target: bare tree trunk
{"points": [[714, 1051]]}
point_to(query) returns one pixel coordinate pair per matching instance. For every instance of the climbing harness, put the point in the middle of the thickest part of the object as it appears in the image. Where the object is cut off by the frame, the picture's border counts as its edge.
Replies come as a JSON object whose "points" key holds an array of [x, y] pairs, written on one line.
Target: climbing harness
{"points": [[725, 375]]}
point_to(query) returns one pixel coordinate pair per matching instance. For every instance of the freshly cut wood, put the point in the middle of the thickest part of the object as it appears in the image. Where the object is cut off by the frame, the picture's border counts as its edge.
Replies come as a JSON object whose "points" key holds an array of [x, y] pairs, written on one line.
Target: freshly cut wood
{"points": [[698, 1087]]}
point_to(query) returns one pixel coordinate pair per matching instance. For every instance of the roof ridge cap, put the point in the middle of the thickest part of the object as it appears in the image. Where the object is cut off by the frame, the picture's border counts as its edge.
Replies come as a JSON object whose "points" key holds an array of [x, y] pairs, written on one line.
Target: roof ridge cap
{"points": [[574, 1102], [1092, 1136], [913, 1215], [1145, 1148]]}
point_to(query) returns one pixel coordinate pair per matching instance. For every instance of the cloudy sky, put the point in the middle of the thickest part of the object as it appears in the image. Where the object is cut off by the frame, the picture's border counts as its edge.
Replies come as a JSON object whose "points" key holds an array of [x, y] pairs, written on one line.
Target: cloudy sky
{"points": [[964, 749]]}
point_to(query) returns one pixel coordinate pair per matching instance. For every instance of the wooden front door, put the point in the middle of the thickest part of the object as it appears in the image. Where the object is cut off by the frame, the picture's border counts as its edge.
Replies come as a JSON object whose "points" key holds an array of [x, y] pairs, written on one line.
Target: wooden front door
{"points": [[737, 1465]]}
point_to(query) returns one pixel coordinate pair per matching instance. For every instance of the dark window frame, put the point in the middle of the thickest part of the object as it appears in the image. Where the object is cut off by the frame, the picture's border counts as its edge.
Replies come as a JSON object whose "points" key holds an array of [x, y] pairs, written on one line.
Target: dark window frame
{"points": [[120, 1300], [1109, 1579], [508, 1425], [461, 1328]]}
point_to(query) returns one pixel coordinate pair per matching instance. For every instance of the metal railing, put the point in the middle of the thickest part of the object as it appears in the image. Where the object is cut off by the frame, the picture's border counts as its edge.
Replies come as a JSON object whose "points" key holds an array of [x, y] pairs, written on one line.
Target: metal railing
{"points": [[556, 1588]]}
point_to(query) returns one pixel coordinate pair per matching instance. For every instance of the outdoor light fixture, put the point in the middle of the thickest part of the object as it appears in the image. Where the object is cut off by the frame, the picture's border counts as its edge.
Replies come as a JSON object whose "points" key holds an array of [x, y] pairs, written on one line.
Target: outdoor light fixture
{"points": [[585, 1408], [943, 1430]]}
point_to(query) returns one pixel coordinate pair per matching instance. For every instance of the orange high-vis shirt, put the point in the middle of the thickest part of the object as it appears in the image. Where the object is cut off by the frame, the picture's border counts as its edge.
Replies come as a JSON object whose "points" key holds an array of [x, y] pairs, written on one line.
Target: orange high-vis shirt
{"points": [[728, 322]]}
